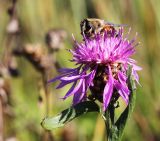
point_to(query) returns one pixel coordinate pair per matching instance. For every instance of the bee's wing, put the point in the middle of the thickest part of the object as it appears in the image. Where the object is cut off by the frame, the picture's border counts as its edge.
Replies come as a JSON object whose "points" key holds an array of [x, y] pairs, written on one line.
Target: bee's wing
{"points": [[115, 25]]}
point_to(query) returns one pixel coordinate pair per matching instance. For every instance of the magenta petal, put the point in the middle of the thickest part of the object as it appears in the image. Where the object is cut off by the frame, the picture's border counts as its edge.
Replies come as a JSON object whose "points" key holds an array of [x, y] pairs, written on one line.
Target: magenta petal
{"points": [[65, 73], [79, 92], [70, 91], [132, 62], [107, 94], [135, 67], [68, 70], [62, 84], [136, 77], [70, 78], [89, 78], [55, 79], [122, 78], [122, 90], [123, 82]]}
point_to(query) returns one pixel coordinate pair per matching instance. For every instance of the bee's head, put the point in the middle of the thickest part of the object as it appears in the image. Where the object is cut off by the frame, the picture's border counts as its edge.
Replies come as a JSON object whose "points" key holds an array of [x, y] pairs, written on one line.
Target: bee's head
{"points": [[86, 26]]}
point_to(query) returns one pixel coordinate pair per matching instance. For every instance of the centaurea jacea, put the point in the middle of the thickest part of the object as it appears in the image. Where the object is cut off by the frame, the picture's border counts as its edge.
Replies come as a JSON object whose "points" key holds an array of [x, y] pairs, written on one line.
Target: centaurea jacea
{"points": [[102, 63]]}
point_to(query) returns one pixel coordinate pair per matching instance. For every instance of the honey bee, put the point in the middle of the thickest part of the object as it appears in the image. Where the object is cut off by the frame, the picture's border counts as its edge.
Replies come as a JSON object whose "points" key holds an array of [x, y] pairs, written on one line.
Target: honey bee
{"points": [[92, 26]]}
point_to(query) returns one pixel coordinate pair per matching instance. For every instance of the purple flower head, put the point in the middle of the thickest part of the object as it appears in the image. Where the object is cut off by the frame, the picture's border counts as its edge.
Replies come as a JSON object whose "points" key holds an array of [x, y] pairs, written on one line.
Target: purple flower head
{"points": [[102, 63]]}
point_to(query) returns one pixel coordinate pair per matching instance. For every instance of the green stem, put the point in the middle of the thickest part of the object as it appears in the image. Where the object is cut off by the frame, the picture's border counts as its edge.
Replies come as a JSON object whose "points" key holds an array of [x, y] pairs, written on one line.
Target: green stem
{"points": [[110, 124]]}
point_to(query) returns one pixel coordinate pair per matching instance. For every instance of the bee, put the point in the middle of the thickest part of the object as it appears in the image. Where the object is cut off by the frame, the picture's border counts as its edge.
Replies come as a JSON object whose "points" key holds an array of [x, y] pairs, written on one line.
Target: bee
{"points": [[92, 26]]}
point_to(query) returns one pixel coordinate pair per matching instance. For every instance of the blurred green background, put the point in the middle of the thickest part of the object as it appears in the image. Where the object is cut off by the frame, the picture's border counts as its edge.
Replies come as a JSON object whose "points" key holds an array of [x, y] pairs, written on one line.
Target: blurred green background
{"points": [[29, 101]]}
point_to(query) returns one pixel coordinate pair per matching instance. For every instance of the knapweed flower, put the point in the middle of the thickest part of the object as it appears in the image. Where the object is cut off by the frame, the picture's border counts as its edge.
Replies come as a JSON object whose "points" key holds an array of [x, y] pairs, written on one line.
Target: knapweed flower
{"points": [[102, 63]]}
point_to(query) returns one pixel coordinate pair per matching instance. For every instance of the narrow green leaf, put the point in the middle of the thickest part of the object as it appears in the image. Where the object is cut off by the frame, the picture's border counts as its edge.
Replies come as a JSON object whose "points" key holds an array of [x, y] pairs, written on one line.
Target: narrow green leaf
{"points": [[110, 124], [121, 122], [69, 114]]}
